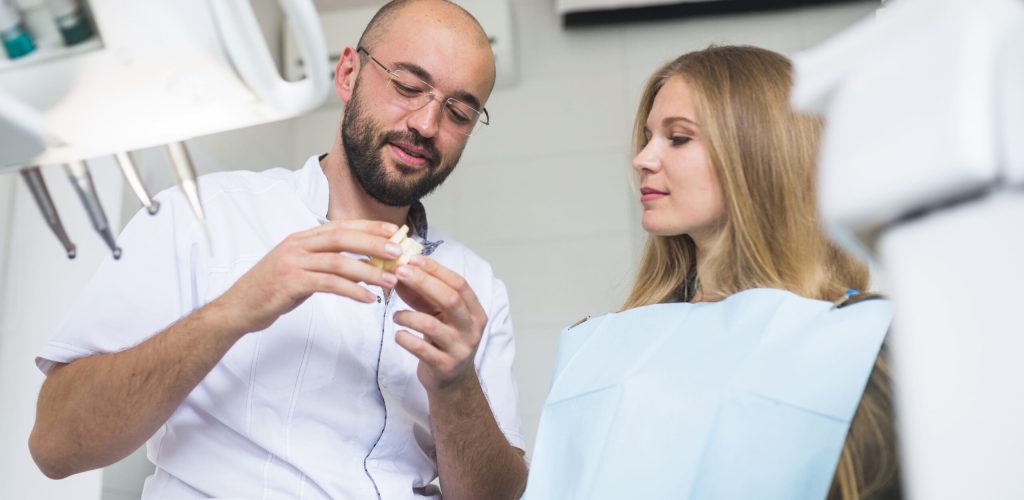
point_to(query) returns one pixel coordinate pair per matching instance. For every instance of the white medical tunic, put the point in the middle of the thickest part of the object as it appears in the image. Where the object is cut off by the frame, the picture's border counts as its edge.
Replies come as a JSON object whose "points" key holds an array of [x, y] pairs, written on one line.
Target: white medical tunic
{"points": [[322, 404], [747, 398]]}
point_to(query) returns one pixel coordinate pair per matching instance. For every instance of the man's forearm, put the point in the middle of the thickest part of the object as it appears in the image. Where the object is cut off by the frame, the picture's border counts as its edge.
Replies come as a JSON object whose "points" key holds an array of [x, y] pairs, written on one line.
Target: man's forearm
{"points": [[99, 409], [474, 458]]}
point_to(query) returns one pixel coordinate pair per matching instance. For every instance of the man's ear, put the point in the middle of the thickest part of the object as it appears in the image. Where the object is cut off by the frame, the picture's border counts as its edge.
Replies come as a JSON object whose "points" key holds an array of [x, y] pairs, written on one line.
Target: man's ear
{"points": [[345, 73]]}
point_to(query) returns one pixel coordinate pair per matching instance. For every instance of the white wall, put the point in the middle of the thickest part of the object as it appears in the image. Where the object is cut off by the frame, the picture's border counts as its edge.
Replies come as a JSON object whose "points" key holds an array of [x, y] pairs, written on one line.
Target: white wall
{"points": [[543, 193], [39, 284], [6, 207]]}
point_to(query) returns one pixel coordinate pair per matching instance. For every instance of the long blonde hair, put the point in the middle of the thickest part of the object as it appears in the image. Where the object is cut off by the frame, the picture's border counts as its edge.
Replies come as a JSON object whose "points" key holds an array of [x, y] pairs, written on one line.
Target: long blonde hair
{"points": [[763, 154], [869, 466]]}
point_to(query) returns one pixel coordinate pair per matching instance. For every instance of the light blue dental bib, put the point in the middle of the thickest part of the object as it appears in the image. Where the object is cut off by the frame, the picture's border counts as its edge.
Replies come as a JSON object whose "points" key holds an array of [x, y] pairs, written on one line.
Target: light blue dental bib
{"points": [[747, 398]]}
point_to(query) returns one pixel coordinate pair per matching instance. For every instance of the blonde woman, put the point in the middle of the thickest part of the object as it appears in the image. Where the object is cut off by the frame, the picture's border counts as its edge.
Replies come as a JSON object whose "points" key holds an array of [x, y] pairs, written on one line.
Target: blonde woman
{"points": [[731, 373]]}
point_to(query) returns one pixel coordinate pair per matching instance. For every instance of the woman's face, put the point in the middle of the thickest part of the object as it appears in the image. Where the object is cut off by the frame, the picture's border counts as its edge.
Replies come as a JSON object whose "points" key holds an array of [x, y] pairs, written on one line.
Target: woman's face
{"points": [[679, 190]]}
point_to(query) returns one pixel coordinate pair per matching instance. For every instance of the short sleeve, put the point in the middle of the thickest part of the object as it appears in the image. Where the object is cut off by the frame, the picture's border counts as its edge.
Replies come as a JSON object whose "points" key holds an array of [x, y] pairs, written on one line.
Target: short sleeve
{"points": [[495, 354], [131, 299]]}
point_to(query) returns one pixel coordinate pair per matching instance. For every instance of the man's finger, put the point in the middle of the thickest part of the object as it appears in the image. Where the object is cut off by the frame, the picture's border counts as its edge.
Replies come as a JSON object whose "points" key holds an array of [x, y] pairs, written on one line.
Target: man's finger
{"points": [[451, 278], [433, 330], [374, 227], [436, 292], [415, 300], [329, 283], [349, 268], [422, 349], [353, 241]]}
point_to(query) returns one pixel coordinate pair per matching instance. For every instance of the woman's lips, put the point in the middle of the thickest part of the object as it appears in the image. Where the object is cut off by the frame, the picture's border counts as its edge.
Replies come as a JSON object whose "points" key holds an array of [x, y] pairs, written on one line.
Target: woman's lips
{"points": [[648, 194]]}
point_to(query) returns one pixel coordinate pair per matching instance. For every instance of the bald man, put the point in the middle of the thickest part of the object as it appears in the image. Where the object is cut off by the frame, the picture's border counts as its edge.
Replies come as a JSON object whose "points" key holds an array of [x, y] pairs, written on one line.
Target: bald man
{"points": [[283, 364]]}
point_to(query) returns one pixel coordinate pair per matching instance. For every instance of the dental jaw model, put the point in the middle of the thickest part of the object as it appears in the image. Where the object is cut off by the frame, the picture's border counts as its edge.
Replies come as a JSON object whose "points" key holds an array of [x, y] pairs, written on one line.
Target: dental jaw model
{"points": [[410, 247]]}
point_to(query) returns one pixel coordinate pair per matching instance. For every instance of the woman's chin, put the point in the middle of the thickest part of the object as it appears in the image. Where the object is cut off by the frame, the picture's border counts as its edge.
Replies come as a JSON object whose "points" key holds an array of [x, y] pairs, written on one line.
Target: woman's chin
{"points": [[660, 230]]}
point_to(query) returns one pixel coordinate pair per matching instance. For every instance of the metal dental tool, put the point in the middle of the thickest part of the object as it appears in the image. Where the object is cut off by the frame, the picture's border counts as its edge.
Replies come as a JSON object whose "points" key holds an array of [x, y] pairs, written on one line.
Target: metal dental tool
{"points": [[78, 172], [34, 178], [131, 174], [186, 173]]}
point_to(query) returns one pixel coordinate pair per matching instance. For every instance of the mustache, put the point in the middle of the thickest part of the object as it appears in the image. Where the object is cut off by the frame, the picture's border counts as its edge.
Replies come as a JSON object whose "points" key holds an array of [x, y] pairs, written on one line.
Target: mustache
{"points": [[414, 138]]}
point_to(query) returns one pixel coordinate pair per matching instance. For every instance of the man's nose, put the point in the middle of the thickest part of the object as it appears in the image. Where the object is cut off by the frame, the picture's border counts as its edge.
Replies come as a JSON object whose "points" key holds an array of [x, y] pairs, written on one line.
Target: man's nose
{"points": [[427, 119]]}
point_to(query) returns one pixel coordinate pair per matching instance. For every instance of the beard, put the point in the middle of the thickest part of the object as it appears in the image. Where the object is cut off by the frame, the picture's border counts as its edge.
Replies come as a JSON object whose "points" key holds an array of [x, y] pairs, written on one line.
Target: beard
{"points": [[364, 141]]}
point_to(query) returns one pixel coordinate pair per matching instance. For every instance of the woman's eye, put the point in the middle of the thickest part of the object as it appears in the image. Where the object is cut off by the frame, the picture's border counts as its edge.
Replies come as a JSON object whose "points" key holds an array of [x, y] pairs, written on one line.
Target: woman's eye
{"points": [[679, 140]]}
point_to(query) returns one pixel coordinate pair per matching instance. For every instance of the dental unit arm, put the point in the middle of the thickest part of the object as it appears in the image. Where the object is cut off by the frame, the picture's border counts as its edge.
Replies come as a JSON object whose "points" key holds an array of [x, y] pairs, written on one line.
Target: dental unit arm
{"points": [[185, 69]]}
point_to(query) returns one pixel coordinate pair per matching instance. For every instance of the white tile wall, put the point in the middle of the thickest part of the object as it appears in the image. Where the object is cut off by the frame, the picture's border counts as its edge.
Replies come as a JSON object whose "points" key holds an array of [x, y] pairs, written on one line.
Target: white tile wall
{"points": [[443, 205], [313, 133], [555, 115], [541, 342], [6, 208], [546, 50], [123, 479], [115, 494], [558, 281], [543, 193], [545, 198]]}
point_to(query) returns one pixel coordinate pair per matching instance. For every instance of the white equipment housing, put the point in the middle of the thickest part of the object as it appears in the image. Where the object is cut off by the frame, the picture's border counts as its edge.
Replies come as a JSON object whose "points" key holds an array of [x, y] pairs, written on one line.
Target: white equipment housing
{"points": [[922, 168], [159, 72]]}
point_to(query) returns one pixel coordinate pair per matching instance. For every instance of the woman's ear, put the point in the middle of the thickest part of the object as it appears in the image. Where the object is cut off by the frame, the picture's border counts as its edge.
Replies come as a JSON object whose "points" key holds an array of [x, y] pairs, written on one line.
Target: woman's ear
{"points": [[345, 73]]}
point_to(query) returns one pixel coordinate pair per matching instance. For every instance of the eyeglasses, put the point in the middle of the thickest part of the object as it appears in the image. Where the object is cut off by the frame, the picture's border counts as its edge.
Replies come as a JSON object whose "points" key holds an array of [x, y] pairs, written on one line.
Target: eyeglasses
{"points": [[414, 93]]}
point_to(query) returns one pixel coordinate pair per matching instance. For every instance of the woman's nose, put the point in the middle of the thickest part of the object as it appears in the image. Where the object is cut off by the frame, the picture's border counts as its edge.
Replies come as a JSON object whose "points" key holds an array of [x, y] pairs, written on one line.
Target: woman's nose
{"points": [[646, 160]]}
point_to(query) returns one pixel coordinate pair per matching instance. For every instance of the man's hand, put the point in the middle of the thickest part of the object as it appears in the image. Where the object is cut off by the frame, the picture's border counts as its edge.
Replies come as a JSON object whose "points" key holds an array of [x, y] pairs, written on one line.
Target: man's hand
{"points": [[308, 262], [474, 459], [448, 315]]}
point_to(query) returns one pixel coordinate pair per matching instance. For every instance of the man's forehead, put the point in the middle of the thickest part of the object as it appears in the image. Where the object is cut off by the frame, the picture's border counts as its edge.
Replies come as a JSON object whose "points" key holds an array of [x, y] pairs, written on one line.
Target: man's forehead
{"points": [[441, 51], [437, 16]]}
